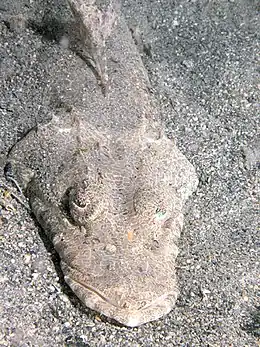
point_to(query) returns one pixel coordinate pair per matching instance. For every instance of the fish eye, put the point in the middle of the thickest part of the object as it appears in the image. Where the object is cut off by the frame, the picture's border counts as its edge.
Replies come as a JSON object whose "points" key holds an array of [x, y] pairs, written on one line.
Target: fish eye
{"points": [[160, 214], [168, 223], [80, 205]]}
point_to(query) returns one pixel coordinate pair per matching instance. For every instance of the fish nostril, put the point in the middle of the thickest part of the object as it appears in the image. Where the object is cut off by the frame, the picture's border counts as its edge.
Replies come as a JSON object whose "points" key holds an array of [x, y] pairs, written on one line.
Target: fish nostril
{"points": [[125, 305], [155, 245], [142, 305]]}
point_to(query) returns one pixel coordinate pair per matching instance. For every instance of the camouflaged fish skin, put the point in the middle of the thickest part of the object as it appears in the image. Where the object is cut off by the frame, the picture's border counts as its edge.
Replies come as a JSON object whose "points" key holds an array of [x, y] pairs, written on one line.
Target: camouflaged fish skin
{"points": [[108, 187]]}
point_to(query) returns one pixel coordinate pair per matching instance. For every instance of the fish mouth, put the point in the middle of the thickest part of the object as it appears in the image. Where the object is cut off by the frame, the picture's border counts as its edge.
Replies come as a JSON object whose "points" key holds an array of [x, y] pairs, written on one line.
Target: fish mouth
{"points": [[124, 314]]}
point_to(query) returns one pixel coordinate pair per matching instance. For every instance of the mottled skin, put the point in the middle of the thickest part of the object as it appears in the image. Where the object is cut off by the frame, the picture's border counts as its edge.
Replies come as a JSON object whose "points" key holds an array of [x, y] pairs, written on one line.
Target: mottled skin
{"points": [[108, 187]]}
